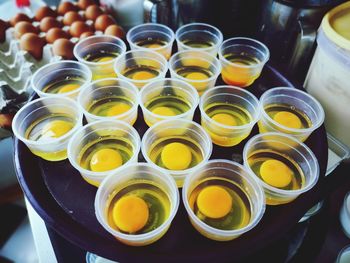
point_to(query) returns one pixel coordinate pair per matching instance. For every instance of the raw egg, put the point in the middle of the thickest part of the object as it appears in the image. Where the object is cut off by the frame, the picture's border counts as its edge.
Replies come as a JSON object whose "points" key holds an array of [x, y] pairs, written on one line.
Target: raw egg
{"points": [[70, 17], [65, 7], [18, 18], [86, 34], [44, 11], [3, 26], [114, 30], [56, 129], [105, 160], [130, 213], [276, 173], [79, 27], [49, 22], [56, 33], [83, 4], [33, 44], [225, 119], [197, 76], [164, 111], [103, 21], [64, 48], [176, 156], [92, 12], [24, 27], [288, 119], [118, 109]]}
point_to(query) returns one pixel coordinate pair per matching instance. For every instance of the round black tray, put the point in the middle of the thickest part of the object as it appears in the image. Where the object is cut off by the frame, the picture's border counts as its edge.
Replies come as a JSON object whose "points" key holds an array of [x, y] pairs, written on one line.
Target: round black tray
{"points": [[66, 203]]}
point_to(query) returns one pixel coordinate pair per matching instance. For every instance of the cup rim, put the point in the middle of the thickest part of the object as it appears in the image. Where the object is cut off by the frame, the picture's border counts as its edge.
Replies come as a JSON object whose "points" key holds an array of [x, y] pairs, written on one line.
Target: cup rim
{"points": [[266, 56], [313, 180], [121, 44], [219, 37], [132, 88], [77, 125], [249, 178], [171, 35], [194, 94], [248, 125], [145, 236], [314, 126], [177, 173], [117, 124], [201, 56], [66, 94], [159, 58]]}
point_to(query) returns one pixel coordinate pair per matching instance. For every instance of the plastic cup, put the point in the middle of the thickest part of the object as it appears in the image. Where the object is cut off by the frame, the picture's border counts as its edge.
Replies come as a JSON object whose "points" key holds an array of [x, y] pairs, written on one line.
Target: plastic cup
{"points": [[199, 60], [141, 59], [105, 89], [93, 44], [175, 129], [344, 216], [344, 255], [294, 98], [156, 37], [58, 71], [98, 131], [249, 57], [291, 148], [199, 36], [53, 149], [168, 88], [227, 135], [117, 181], [238, 175]]}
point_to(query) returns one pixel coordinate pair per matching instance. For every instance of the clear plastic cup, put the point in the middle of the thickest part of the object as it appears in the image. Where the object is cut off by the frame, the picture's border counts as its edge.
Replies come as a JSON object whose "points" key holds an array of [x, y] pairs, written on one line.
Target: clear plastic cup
{"points": [[174, 129], [296, 100], [198, 68], [107, 90], [290, 148], [118, 180], [163, 90], [100, 131], [344, 255], [242, 60], [232, 172], [199, 36], [61, 71], [344, 215], [244, 103], [100, 44], [143, 62], [51, 149], [156, 37]]}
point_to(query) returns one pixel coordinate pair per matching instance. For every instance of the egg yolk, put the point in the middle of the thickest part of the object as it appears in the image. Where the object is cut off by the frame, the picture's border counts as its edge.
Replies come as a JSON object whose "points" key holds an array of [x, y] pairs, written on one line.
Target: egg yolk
{"points": [[288, 119], [225, 119], [214, 202], [164, 111], [154, 46], [142, 75], [276, 173], [55, 129], [130, 213], [176, 156], [197, 76], [118, 109], [105, 160], [68, 88], [105, 59]]}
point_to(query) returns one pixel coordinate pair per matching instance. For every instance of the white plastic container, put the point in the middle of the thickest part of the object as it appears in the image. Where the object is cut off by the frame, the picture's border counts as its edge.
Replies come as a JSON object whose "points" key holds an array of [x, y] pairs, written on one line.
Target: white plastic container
{"points": [[328, 76]]}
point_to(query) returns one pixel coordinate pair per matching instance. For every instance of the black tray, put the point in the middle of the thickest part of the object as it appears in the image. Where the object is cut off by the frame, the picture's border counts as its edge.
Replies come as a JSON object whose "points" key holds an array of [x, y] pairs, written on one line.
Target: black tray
{"points": [[66, 203]]}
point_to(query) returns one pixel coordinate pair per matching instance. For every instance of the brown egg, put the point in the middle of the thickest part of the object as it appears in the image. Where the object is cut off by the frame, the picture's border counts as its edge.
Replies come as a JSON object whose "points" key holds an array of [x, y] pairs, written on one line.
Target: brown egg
{"points": [[103, 21], [18, 18], [65, 7], [79, 27], [24, 27], [64, 48], [114, 30], [3, 26], [92, 12], [83, 4], [49, 22], [70, 17], [44, 11], [33, 44], [87, 34], [56, 33]]}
